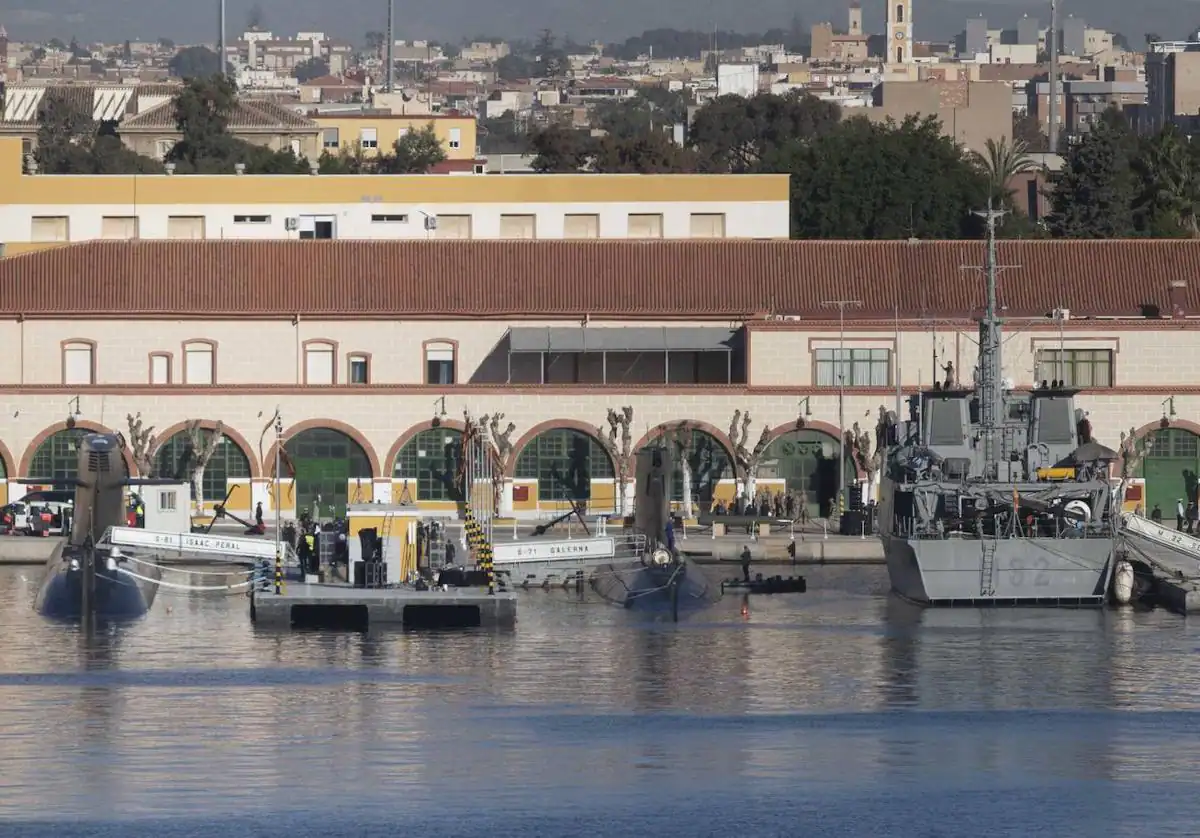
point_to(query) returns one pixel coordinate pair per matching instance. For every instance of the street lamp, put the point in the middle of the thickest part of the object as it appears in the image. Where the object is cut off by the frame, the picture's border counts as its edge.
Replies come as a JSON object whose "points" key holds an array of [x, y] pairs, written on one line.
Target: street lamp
{"points": [[440, 404], [1168, 405], [841, 376], [803, 412]]}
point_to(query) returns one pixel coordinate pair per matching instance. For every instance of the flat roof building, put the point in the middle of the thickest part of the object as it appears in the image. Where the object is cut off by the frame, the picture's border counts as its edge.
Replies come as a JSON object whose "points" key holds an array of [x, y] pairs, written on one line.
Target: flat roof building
{"points": [[373, 350], [41, 211]]}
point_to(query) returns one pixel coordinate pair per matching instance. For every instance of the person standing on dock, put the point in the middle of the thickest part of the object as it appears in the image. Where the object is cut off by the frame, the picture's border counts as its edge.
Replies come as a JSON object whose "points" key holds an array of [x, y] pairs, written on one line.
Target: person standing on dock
{"points": [[1156, 514], [258, 518], [746, 563], [1179, 515]]}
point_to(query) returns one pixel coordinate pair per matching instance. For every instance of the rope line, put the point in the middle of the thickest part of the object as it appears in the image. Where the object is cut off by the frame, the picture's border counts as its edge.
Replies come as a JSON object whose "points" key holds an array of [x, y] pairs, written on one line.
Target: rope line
{"points": [[176, 587]]}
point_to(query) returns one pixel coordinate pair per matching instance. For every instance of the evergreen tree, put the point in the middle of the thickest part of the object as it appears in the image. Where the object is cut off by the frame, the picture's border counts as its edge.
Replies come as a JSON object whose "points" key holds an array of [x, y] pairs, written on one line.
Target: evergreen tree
{"points": [[1093, 195]]}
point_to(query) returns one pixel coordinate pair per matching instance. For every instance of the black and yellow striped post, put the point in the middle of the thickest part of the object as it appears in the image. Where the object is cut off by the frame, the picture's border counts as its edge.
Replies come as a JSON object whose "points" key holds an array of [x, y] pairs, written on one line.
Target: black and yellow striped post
{"points": [[279, 571], [480, 546]]}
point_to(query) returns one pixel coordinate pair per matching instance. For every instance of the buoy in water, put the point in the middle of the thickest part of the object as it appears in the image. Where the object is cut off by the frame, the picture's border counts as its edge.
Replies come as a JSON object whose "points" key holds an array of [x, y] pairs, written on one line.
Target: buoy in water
{"points": [[1123, 583]]}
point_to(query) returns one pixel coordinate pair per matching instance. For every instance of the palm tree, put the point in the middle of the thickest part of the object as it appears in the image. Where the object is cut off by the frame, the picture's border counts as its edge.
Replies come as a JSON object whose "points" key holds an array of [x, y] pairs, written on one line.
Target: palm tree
{"points": [[1002, 162]]}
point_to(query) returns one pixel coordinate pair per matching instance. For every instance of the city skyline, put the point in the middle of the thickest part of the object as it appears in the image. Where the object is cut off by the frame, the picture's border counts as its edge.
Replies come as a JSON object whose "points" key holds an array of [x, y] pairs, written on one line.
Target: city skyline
{"points": [[118, 20]]}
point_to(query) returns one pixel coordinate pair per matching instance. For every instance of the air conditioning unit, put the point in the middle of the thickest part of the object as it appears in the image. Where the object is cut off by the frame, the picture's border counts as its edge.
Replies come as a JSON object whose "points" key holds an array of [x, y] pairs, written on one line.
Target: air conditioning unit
{"points": [[291, 223], [431, 222]]}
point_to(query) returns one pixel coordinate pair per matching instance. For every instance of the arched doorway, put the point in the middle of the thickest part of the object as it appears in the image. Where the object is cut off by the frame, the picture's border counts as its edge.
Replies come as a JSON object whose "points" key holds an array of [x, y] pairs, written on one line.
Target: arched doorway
{"points": [[806, 460], [708, 463], [429, 465], [564, 462], [1170, 468], [326, 460], [228, 462], [56, 460]]}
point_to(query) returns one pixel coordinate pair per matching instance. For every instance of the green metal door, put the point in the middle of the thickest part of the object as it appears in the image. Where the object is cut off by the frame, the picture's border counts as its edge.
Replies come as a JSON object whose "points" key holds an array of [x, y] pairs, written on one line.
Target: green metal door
{"points": [[322, 482], [1170, 469]]}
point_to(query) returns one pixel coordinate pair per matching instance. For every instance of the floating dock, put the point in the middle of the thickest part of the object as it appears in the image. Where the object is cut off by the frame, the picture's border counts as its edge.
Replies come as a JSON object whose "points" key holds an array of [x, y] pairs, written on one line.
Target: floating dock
{"points": [[345, 607]]}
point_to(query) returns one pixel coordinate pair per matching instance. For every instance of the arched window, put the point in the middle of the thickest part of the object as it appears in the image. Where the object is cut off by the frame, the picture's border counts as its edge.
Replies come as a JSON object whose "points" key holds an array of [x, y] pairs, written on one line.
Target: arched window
{"points": [[899, 13], [564, 462], [430, 463], [708, 464], [326, 460], [174, 460], [57, 458], [899, 55]]}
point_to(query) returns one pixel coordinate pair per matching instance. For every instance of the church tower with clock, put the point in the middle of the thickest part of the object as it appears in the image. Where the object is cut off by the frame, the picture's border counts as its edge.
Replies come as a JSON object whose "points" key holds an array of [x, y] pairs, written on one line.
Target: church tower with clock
{"points": [[899, 31]]}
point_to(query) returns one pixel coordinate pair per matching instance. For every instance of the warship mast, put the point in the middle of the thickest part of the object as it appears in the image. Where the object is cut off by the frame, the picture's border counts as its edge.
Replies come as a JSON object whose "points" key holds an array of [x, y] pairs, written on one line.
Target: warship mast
{"points": [[989, 386]]}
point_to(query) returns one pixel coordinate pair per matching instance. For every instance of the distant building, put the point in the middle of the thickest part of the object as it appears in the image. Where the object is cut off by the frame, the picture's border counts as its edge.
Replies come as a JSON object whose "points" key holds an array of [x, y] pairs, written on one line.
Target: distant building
{"points": [[42, 211], [1074, 36], [737, 79], [970, 112], [899, 32], [1172, 86], [1029, 31], [975, 38]]}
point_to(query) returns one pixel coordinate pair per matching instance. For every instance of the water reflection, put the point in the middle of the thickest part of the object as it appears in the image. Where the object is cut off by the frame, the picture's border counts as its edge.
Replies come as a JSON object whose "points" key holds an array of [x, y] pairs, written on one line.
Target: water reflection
{"points": [[842, 691]]}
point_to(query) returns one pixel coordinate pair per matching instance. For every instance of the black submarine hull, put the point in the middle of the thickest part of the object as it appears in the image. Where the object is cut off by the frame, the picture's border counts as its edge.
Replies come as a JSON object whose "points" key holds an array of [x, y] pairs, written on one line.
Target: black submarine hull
{"points": [[116, 597]]}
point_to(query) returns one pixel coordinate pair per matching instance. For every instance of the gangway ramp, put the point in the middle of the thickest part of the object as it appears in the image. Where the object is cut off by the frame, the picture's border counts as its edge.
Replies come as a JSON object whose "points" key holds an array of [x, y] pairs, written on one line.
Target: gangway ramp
{"points": [[249, 551], [1172, 555]]}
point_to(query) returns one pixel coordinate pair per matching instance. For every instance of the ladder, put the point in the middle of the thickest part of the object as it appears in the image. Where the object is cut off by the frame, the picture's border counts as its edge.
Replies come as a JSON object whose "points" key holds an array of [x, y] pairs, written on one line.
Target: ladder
{"points": [[987, 568]]}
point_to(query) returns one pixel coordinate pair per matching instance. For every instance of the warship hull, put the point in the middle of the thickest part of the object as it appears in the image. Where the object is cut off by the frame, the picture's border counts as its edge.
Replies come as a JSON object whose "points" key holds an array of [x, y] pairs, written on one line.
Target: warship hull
{"points": [[1019, 571], [116, 597]]}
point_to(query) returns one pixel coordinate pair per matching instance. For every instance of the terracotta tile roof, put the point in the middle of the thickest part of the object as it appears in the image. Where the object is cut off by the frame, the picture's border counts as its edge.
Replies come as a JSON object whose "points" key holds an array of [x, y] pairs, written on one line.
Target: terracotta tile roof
{"points": [[249, 115], [666, 279]]}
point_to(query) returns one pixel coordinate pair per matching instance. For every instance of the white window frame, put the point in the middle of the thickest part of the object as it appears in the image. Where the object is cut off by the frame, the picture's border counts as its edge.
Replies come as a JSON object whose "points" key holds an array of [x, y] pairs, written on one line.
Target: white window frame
{"points": [[324, 353], [455, 138], [368, 138], [77, 350], [198, 348]]}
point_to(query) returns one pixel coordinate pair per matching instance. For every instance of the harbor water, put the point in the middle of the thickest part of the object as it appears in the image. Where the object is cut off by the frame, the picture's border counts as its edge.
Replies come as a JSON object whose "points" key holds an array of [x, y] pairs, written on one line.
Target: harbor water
{"points": [[837, 712]]}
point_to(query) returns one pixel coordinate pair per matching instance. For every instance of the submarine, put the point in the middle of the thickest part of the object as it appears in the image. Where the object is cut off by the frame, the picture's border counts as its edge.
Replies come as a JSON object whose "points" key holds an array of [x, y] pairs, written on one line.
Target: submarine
{"points": [[661, 579], [80, 577]]}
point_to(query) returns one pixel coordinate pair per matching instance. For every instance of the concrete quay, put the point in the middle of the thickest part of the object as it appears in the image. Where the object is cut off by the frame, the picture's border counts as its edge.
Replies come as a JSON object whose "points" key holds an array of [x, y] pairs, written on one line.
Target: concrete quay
{"points": [[27, 550]]}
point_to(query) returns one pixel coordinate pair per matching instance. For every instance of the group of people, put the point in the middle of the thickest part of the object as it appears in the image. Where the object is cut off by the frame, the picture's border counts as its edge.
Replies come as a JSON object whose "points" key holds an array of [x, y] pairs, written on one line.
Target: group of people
{"points": [[790, 505]]}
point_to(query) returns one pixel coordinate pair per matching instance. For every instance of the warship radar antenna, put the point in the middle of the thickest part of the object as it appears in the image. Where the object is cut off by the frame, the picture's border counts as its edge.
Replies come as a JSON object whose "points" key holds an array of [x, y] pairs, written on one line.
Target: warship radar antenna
{"points": [[989, 383]]}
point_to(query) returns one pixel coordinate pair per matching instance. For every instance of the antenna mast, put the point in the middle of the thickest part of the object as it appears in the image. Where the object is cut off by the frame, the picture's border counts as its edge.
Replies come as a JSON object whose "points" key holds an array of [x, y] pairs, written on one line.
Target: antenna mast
{"points": [[389, 55], [1052, 36], [988, 385]]}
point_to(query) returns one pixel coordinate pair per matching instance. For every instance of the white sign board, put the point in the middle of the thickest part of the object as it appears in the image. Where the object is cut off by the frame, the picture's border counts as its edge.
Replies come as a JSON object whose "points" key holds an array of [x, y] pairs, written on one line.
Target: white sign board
{"points": [[548, 551], [188, 543]]}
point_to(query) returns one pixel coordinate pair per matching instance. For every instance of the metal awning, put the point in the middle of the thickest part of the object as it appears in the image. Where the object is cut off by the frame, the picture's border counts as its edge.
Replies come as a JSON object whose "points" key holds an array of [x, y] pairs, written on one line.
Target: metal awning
{"points": [[535, 339]]}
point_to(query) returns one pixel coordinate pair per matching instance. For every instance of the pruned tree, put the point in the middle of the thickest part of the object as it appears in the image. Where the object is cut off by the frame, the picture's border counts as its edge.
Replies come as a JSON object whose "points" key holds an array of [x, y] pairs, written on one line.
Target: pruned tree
{"points": [[618, 444], [202, 444], [1133, 450], [748, 459], [683, 437], [858, 442], [142, 443], [500, 449]]}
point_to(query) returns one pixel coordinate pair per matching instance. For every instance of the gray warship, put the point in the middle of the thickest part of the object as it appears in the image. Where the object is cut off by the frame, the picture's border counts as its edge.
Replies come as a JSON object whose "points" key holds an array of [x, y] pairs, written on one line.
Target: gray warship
{"points": [[990, 496]]}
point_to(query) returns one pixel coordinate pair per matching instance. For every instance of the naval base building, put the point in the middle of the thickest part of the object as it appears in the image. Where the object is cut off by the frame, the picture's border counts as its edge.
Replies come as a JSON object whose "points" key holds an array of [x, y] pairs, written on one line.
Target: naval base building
{"points": [[371, 352]]}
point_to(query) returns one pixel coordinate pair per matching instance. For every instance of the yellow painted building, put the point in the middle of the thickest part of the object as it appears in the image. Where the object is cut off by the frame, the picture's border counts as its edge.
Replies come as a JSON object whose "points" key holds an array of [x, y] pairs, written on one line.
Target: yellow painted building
{"points": [[374, 134], [41, 211]]}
